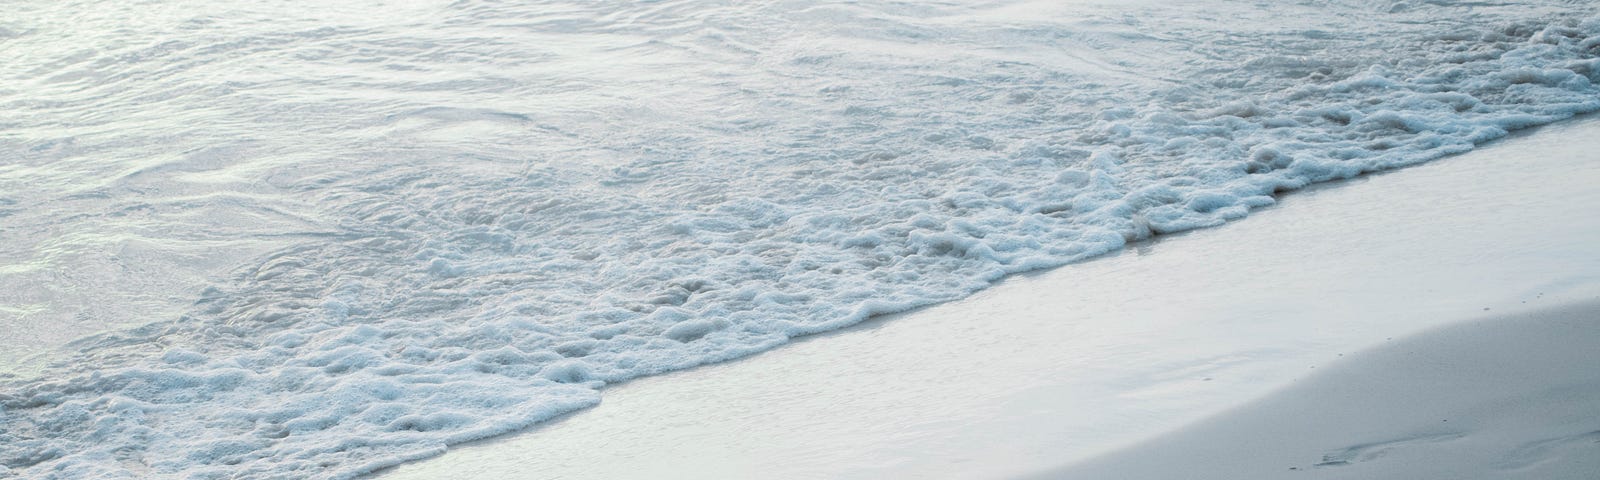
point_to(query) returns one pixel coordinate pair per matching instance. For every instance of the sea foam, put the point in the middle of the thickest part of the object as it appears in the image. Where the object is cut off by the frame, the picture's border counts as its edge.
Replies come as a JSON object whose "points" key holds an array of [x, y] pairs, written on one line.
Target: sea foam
{"points": [[457, 221]]}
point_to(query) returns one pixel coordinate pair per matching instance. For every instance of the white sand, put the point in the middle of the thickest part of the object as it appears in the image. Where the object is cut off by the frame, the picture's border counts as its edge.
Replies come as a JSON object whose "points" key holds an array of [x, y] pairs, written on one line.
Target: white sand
{"points": [[1516, 396], [1119, 354]]}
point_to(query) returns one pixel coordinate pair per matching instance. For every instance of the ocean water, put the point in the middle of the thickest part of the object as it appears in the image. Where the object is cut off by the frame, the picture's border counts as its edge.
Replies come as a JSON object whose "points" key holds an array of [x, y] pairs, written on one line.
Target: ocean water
{"points": [[282, 240]]}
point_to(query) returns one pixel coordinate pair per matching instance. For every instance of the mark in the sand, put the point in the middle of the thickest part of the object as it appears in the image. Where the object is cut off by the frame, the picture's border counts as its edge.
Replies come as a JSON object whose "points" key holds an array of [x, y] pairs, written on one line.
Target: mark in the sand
{"points": [[1371, 451], [1537, 452]]}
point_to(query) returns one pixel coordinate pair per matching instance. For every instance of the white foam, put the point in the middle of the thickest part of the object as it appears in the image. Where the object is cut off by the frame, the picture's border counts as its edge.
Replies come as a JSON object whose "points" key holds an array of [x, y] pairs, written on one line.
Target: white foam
{"points": [[451, 229]]}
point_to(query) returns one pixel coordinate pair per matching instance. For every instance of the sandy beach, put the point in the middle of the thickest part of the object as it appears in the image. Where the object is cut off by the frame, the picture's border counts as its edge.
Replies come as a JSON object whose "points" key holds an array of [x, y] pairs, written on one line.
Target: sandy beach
{"points": [[1328, 331], [1505, 397]]}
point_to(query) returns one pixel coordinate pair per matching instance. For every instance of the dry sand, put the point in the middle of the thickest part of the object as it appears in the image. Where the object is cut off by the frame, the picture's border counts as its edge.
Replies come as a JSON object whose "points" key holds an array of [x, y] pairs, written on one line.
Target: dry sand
{"points": [[1509, 397]]}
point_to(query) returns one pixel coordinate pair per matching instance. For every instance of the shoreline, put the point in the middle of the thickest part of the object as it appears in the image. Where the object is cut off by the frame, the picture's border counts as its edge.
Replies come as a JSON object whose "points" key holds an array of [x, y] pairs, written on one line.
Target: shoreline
{"points": [[1060, 366]]}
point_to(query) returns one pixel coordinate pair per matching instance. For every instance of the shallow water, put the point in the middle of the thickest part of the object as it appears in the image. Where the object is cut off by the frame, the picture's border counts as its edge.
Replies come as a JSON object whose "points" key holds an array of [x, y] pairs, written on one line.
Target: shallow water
{"points": [[262, 240]]}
